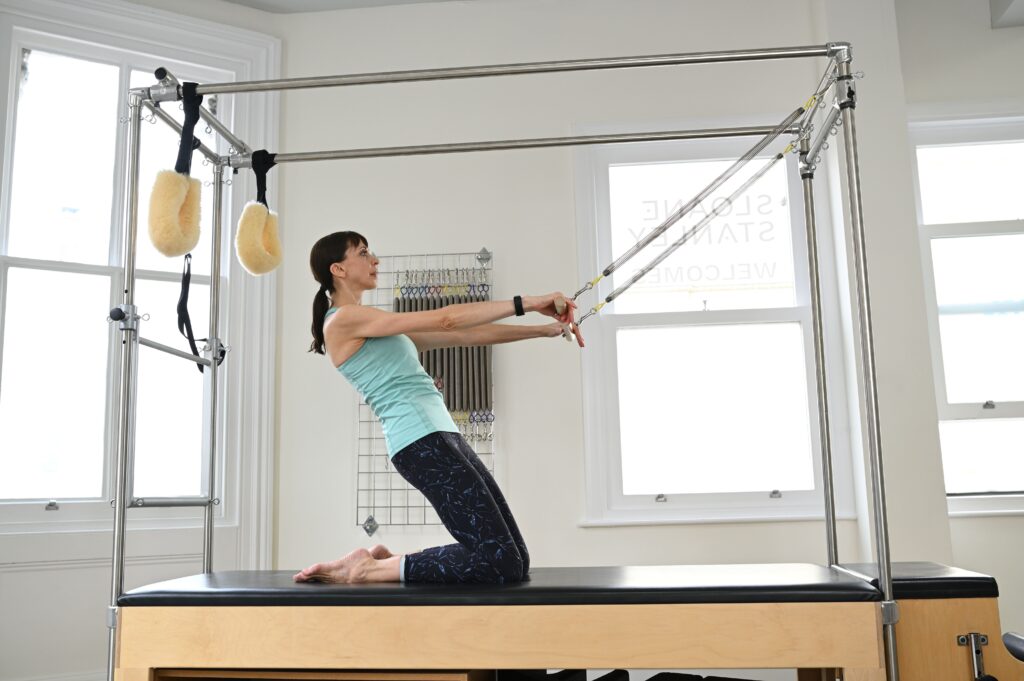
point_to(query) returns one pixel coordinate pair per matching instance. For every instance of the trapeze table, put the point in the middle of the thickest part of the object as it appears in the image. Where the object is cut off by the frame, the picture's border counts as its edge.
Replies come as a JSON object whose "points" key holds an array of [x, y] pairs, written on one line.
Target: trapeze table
{"points": [[659, 617], [819, 620]]}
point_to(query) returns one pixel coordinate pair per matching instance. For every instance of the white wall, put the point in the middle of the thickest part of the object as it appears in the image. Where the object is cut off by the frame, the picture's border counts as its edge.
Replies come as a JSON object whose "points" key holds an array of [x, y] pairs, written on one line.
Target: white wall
{"points": [[520, 205], [955, 64]]}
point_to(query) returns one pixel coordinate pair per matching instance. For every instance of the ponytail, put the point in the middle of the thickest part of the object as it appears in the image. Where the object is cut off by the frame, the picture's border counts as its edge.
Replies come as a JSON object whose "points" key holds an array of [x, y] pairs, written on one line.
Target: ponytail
{"points": [[327, 251], [321, 304]]}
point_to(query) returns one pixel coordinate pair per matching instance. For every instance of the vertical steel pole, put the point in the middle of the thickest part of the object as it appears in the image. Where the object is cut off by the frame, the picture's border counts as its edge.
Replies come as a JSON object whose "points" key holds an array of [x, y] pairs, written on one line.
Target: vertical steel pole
{"points": [[129, 384], [890, 611], [824, 432], [214, 350]]}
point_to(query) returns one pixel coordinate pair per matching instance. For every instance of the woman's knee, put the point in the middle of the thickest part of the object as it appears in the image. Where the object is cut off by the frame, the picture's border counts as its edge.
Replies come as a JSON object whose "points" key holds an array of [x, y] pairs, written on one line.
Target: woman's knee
{"points": [[507, 565]]}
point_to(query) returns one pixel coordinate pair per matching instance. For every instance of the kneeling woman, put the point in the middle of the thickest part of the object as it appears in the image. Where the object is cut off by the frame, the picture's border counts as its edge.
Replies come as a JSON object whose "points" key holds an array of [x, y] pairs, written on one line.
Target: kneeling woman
{"points": [[377, 352]]}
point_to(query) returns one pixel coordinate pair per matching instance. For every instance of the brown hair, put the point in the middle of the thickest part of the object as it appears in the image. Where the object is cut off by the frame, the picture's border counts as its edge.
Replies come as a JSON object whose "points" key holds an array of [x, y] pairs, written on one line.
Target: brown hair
{"points": [[327, 251]]}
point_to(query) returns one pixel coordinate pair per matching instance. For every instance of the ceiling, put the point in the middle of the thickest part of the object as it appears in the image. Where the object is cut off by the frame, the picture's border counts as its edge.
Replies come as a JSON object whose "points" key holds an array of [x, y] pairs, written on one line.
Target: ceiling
{"points": [[296, 6]]}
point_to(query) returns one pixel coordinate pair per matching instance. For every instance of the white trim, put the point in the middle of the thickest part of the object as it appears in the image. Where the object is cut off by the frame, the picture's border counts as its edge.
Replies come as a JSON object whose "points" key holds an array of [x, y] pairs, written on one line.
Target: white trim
{"points": [[604, 503], [138, 33], [100, 675], [935, 130], [102, 562], [981, 505]]}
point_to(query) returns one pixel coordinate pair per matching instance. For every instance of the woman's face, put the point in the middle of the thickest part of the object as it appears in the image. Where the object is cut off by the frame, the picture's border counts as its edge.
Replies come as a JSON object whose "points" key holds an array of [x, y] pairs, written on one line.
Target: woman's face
{"points": [[360, 267]]}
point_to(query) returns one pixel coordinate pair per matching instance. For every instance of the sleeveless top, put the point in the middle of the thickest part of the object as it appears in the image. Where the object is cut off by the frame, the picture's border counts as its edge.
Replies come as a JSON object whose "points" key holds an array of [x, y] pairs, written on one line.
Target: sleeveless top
{"points": [[387, 373]]}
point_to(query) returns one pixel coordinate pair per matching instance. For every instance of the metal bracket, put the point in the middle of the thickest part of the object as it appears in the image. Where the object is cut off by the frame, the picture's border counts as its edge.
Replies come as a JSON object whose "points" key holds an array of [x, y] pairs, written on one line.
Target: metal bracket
{"points": [[842, 52], [112, 617], [126, 316], [975, 641], [164, 93], [215, 350], [890, 612], [239, 160]]}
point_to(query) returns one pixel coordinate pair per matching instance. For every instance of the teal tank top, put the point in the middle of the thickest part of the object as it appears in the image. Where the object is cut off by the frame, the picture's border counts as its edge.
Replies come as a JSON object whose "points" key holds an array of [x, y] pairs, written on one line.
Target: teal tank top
{"points": [[387, 373]]}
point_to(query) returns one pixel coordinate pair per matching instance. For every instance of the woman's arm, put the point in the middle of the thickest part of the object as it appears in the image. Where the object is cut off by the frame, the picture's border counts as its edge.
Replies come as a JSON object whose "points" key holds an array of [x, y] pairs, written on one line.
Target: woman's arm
{"points": [[485, 334], [361, 321]]}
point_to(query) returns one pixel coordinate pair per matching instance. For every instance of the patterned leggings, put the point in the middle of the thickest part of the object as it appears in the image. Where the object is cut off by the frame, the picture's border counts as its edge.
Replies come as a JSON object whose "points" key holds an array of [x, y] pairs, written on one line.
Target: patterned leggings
{"points": [[460, 488]]}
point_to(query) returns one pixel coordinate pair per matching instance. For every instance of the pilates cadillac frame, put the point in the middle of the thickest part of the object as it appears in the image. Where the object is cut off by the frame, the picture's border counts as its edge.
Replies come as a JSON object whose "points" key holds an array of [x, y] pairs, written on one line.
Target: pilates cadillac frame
{"points": [[128, 319]]}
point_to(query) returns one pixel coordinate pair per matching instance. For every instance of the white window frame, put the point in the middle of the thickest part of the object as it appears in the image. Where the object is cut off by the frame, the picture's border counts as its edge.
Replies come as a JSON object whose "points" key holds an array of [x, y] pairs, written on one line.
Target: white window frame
{"points": [[126, 34], [950, 132], [606, 505]]}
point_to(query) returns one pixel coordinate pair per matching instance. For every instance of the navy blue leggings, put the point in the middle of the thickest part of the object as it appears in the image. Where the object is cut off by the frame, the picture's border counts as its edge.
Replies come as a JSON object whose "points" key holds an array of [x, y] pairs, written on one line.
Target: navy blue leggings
{"points": [[451, 476]]}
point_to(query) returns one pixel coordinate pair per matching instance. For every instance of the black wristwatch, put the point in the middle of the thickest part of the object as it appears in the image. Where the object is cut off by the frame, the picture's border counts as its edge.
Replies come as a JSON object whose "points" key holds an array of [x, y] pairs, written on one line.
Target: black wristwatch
{"points": [[518, 302]]}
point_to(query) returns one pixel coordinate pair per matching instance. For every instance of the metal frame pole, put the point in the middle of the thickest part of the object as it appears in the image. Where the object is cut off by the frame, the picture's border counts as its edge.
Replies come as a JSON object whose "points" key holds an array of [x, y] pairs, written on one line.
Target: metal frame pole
{"points": [[244, 161], [824, 430], [129, 384], [890, 609], [516, 69], [213, 352]]}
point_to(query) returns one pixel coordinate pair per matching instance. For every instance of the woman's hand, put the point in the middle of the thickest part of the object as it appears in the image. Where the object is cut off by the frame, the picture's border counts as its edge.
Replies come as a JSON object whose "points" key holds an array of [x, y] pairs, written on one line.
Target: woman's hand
{"points": [[551, 330], [563, 330], [549, 305]]}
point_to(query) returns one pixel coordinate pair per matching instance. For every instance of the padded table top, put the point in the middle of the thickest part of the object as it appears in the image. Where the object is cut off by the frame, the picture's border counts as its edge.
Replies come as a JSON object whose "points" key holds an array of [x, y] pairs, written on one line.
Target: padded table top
{"points": [[766, 583], [912, 580]]}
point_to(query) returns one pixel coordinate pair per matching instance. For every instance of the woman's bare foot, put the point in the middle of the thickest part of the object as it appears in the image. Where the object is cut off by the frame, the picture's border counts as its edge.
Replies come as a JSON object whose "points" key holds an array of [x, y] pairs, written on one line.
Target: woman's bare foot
{"points": [[380, 552], [356, 568]]}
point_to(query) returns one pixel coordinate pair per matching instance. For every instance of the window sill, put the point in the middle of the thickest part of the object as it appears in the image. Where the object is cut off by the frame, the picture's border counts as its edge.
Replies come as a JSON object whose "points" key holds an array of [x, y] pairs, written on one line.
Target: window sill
{"points": [[706, 518], [985, 505]]}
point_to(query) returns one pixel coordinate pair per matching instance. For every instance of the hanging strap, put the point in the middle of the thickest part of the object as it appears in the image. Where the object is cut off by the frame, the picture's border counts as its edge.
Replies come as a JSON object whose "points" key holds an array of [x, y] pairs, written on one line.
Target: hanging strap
{"points": [[184, 321], [190, 103], [262, 162]]}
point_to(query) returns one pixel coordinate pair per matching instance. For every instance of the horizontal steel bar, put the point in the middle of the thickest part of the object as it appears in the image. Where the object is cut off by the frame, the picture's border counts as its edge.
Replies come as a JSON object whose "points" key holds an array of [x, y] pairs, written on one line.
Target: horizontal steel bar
{"points": [[210, 119], [455, 148], [174, 351], [168, 502], [518, 69], [176, 126]]}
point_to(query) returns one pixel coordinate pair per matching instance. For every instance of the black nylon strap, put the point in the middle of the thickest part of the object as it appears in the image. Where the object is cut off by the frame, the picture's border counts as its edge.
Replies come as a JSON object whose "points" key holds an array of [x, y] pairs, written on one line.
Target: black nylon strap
{"points": [[190, 102], [262, 162], [184, 321]]}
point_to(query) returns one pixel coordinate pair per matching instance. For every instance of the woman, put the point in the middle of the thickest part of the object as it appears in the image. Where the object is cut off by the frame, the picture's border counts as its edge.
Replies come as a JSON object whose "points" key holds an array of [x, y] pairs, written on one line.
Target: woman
{"points": [[377, 352]]}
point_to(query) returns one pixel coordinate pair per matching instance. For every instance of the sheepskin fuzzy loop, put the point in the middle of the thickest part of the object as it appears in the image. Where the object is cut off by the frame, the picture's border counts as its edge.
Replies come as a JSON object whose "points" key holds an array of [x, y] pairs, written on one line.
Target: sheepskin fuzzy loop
{"points": [[174, 213], [256, 242]]}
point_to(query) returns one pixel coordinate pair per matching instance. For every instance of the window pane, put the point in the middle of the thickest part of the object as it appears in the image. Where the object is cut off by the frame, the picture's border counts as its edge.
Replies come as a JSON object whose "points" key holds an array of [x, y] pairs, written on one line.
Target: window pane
{"points": [[979, 269], [63, 172], [714, 409], [742, 259], [971, 182], [983, 356], [159, 151], [53, 389], [983, 455], [979, 286], [169, 424]]}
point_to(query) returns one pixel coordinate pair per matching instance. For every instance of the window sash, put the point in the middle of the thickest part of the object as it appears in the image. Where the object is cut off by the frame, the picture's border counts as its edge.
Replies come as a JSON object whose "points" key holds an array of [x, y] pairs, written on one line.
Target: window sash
{"points": [[94, 513], [605, 503], [957, 410], [970, 131]]}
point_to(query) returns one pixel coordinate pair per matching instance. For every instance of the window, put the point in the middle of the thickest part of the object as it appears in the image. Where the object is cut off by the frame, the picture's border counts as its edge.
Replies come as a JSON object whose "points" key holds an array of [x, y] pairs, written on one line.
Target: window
{"points": [[971, 217], [61, 256], [700, 396]]}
